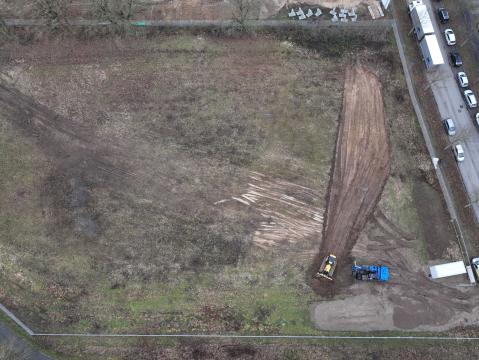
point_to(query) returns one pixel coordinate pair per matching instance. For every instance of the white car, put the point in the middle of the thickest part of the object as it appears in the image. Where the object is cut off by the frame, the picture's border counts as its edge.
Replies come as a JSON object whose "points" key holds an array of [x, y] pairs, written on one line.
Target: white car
{"points": [[477, 119], [462, 78], [459, 153], [450, 37], [470, 98]]}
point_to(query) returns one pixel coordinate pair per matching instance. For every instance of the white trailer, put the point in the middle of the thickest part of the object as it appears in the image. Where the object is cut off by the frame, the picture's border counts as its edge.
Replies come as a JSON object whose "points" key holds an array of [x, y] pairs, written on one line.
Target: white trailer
{"points": [[449, 269], [421, 21], [413, 3], [431, 52]]}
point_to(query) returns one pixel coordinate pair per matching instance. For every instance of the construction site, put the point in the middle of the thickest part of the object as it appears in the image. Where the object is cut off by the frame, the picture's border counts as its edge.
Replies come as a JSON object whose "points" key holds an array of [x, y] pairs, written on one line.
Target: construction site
{"points": [[201, 182]]}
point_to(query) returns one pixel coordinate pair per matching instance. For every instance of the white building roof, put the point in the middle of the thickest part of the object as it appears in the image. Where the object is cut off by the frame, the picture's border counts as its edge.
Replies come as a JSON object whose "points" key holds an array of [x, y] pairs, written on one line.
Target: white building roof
{"points": [[434, 49], [449, 269]]}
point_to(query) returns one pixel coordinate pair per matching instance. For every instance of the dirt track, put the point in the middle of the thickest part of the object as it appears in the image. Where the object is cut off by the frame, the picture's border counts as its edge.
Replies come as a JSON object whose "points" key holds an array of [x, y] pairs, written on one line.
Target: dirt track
{"points": [[361, 164]]}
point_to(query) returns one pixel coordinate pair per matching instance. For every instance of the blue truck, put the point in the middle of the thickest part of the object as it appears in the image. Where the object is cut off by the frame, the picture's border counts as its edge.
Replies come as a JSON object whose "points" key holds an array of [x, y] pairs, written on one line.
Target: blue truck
{"points": [[370, 272]]}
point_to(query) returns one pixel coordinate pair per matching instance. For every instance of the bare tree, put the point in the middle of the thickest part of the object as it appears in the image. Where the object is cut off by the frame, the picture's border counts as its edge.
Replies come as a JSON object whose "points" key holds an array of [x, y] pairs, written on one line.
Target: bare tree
{"points": [[115, 11], [54, 12], [461, 136], [244, 10]]}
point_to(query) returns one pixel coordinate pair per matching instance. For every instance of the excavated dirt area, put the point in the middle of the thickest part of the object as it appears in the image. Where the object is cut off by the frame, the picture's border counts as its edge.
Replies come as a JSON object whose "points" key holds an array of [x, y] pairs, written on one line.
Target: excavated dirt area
{"points": [[361, 167], [409, 301], [361, 226]]}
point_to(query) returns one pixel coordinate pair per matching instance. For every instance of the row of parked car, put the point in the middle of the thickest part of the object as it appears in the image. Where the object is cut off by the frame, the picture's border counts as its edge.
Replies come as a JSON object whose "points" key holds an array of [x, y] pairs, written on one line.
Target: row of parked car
{"points": [[469, 97], [462, 80]]}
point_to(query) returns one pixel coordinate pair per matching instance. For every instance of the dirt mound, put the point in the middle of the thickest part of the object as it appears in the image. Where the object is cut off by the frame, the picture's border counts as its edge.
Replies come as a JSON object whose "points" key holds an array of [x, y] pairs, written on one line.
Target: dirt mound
{"points": [[361, 167]]}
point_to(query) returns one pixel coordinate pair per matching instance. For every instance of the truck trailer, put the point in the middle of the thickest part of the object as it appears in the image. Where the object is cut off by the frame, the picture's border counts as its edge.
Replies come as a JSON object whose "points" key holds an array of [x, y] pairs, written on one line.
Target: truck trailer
{"points": [[421, 21], [448, 269], [431, 52]]}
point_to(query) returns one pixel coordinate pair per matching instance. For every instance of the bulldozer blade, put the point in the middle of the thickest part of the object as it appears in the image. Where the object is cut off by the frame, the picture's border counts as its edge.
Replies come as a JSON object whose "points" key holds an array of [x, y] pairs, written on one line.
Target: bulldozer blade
{"points": [[318, 275]]}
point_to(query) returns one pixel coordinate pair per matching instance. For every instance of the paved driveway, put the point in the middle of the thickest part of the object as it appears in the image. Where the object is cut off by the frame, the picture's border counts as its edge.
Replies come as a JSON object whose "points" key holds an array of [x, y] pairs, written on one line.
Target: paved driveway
{"points": [[450, 103]]}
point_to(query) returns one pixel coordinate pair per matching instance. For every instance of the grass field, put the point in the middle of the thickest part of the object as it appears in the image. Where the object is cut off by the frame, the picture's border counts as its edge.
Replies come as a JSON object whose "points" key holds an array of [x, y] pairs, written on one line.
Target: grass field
{"points": [[121, 209], [128, 237]]}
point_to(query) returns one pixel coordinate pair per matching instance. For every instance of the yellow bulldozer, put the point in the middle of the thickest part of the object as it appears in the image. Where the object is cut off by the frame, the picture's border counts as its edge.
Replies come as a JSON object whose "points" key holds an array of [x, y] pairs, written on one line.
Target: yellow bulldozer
{"points": [[326, 270]]}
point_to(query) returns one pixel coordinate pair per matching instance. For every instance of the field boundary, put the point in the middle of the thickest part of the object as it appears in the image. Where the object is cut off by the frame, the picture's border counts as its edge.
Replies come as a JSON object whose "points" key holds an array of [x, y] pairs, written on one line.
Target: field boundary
{"points": [[206, 23], [272, 24]]}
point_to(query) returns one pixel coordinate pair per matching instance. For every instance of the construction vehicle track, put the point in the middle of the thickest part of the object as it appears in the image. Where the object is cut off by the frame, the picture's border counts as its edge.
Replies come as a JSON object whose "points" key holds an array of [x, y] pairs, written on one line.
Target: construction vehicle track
{"points": [[360, 169]]}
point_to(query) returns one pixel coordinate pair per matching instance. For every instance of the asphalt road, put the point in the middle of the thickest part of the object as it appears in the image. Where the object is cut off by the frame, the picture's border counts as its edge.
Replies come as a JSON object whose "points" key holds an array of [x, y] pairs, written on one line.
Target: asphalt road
{"points": [[451, 104], [18, 348]]}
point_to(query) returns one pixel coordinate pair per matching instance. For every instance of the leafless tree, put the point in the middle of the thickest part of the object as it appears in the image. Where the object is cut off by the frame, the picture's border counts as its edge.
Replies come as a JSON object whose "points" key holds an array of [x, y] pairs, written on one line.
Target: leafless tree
{"points": [[115, 11], [54, 12], [461, 136], [244, 10]]}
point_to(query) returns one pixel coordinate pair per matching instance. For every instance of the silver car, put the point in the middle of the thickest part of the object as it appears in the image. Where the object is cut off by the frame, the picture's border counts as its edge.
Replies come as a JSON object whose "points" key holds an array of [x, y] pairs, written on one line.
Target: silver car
{"points": [[449, 127]]}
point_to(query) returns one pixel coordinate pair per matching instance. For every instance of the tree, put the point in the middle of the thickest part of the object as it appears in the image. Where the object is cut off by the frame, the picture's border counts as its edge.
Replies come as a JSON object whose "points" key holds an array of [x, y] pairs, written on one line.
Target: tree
{"points": [[461, 136], [115, 11], [54, 12], [244, 10]]}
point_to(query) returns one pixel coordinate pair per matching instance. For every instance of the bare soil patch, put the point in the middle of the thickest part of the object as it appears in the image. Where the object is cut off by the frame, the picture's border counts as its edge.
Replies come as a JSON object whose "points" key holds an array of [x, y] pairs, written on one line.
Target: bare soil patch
{"points": [[409, 301], [361, 166], [287, 210]]}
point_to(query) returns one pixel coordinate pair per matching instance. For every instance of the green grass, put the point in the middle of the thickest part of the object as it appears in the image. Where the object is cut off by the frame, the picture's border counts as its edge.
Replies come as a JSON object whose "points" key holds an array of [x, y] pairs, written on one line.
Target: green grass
{"points": [[398, 203], [201, 120]]}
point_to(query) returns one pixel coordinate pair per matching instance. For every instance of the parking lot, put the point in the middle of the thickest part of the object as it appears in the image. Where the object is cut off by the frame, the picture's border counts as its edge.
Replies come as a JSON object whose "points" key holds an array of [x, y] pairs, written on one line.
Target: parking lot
{"points": [[450, 101]]}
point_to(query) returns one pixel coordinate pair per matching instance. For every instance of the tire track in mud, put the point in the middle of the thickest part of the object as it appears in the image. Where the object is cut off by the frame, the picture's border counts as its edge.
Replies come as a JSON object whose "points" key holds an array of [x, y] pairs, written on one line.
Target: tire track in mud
{"points": [[360, 169], [408, 301], [55, 135], [79, 164]]}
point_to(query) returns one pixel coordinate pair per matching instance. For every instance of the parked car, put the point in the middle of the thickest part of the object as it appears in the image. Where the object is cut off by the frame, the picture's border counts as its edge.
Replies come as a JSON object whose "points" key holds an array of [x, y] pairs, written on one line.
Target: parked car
{"points": [[450, 37], [449, 127], [475, 267], [456, 59], [477, 119], [470, 98], [443, 15], [459, 153], [462, 78]]}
